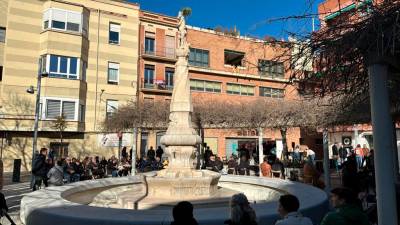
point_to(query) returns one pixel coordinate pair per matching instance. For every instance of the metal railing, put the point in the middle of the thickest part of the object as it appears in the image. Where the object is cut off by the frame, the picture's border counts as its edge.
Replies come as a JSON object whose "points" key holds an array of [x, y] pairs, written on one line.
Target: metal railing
{"points": [[163, 52], [156, 84]]}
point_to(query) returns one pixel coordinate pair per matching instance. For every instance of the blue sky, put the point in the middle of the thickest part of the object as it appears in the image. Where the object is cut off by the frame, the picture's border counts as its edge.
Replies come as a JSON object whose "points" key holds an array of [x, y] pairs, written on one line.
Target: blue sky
{"points": [[249, 16]]}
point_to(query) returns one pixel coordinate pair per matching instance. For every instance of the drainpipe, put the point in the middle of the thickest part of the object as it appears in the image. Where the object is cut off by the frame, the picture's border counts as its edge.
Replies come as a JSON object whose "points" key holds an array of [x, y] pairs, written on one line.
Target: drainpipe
{"points": [[97, 68]]}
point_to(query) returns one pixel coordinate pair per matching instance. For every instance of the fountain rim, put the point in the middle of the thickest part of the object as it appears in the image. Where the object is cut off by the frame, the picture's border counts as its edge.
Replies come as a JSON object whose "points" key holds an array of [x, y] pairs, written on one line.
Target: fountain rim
{"points": [[50, 203]]}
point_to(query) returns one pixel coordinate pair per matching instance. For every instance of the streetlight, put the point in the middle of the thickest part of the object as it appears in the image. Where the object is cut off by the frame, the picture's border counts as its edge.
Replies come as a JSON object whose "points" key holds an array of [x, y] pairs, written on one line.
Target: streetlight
{"points": [[31, 90]]}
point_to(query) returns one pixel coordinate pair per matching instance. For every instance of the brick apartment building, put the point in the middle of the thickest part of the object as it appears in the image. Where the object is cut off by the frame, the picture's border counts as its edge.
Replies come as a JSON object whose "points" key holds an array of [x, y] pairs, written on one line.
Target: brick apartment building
{"points": [[330, 13], [222, 67], [90, 52]]}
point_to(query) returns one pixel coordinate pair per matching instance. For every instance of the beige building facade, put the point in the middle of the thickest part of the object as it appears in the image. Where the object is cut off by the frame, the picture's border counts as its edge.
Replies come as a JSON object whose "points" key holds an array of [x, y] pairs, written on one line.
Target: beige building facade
{"points": [[89, 61]]}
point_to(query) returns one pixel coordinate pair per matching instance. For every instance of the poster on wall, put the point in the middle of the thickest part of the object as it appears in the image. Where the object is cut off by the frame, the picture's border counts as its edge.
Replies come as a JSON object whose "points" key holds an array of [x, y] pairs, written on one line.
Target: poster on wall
{"points": [[112, 139]]}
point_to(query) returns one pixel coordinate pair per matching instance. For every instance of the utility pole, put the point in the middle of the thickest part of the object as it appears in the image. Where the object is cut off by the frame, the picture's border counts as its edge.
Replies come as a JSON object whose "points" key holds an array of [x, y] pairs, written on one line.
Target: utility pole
{"points": [[383, 143]]}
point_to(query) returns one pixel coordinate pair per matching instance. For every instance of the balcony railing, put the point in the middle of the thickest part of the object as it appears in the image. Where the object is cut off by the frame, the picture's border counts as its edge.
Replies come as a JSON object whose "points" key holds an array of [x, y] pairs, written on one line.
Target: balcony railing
{"points": [[156, 85], [168, 53]]}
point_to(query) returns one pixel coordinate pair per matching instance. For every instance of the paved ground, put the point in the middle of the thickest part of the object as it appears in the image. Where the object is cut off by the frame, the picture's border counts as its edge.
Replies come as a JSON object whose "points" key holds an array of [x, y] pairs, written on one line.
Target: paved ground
{"points": [[14, 193]]}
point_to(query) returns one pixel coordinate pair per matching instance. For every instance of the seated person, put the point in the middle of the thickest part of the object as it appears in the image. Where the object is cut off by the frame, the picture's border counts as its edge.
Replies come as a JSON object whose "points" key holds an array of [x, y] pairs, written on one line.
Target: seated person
{"points": [[244, 166], [278, 168], [156, 164], [265, 168], [232, 165], [288, 209], [212, 164], [348, 209]]}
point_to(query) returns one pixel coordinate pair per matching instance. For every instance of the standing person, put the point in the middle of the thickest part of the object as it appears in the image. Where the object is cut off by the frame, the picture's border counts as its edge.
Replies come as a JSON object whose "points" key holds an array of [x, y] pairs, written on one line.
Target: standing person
{"points": [[124, 153], [68, 170], [207, 154], [311, 154], [348, 210], [296, 153], [56, 174], [265, 168], [288, 209], [359, 156], [151, 154], [365, 153], [335, 156], [241, 211], [159, 152], [39, 169], [342, 153], [183, 214]]}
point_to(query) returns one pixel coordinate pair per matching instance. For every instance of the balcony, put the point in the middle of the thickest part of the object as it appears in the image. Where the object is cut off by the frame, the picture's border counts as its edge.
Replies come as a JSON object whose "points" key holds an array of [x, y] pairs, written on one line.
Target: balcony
{"points": [[164, 53], [158, 86]]}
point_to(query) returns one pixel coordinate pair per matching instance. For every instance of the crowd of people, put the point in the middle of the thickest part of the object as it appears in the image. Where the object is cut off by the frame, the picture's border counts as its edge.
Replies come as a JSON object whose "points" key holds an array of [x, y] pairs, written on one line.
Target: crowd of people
{"points": [[49, 171], [347, 210]]}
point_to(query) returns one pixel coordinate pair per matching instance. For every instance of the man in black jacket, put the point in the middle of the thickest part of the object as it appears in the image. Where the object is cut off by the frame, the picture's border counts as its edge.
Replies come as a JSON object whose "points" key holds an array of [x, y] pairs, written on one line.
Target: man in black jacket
{"points": [[39, 168]]}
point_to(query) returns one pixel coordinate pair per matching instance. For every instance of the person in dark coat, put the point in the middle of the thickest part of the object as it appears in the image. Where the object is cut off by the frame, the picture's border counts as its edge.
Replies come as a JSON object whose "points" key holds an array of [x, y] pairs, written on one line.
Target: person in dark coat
{"points": [[350, 177], [39, 169], [124, 153], [151, 154], [159, 152], [183, 214]]}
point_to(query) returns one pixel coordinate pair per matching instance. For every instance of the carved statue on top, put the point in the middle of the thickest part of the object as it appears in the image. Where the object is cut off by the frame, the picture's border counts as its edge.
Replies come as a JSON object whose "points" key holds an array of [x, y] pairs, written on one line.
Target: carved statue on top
{"points": [[182, 29]]}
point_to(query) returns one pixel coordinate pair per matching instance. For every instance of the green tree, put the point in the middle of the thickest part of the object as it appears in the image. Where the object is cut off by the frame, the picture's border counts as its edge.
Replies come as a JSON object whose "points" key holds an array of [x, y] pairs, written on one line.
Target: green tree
{"points": [[60, 124]]}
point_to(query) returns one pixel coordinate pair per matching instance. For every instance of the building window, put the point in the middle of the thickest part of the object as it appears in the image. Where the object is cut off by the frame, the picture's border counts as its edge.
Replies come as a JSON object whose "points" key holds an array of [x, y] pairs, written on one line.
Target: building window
{"points": [[272, 92], [149, 46], [60, 19], [240, 89], [2, 34], [82, 113], [111, 107], [63, 67], [1, 73], [233, 58], [113, 35], [199, 57], [205, 85], [270, 68], [113, 73], [169, 78], [148, 76], [58, 107]]}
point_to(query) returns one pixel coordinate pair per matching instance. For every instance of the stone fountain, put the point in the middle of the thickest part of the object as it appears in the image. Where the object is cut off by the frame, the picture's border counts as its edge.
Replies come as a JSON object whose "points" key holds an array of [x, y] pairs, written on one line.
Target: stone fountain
{"points": [[180, 180], [111, 200]]}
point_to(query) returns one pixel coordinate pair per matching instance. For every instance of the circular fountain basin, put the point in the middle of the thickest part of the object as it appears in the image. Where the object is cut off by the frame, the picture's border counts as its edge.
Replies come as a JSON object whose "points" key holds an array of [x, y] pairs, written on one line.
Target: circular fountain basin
{"points": [[101, 202]]}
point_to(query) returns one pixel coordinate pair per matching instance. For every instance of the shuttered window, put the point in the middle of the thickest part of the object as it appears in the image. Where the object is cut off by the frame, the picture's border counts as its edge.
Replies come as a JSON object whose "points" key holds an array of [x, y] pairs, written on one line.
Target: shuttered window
{"points": [[113, 73], [68, 110], [58, 107], [64, 20], [113, 34], [53, 109]]}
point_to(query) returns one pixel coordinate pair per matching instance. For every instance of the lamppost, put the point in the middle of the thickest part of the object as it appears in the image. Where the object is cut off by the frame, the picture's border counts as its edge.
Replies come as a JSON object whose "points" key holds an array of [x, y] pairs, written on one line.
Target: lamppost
{"points": [[31, 90]]}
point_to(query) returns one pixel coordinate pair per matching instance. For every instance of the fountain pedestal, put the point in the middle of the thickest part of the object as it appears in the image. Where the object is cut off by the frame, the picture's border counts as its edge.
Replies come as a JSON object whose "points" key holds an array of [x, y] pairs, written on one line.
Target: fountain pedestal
{"points": [[180, 181]]}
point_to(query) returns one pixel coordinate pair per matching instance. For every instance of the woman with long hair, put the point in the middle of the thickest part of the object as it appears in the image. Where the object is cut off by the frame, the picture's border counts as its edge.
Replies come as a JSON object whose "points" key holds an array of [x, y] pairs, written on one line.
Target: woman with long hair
{"points": [[241, 211]]}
